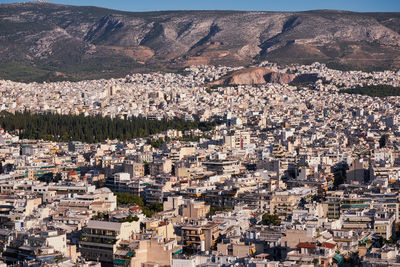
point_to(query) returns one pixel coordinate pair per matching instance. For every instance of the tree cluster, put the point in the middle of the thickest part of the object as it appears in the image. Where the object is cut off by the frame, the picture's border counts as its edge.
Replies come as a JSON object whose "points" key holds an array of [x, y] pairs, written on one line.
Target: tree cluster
{"points": [[128, 199], [271, 219], [381, 90], [90, 129], [214, 209]]}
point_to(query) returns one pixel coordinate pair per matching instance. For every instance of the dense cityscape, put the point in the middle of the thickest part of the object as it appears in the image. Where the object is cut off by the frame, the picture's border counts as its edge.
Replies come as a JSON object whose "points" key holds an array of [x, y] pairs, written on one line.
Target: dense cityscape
{"points": [[288, 174]]}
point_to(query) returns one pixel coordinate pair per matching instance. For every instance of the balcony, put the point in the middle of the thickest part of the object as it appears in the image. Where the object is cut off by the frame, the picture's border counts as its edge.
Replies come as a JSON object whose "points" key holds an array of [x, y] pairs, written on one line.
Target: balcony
{"points": [[96, 244], [99, 236]]}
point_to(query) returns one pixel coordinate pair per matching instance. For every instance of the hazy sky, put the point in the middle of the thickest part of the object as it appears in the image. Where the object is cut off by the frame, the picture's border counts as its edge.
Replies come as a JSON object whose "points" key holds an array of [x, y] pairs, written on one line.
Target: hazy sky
{"points": [[273, 5]]}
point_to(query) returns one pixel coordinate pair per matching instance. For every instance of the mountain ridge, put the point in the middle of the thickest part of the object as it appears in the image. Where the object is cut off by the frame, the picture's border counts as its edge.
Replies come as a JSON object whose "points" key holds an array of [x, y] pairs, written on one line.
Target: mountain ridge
{"points": [[92, 42]]}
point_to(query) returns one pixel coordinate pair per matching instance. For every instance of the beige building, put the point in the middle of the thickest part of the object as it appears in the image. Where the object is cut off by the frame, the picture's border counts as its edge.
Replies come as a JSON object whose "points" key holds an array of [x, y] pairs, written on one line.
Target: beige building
{"points": [[223, 167], [178, 154], [291, 238], [236, 248], [173, 204], [193, 210], [100, 239], [237, 140], [182, 172], [159, 167], [283, 204], [384, 224], [160, 228], [155, 252], [135, 169], [56, 240], [357, 172], [199, 237]]}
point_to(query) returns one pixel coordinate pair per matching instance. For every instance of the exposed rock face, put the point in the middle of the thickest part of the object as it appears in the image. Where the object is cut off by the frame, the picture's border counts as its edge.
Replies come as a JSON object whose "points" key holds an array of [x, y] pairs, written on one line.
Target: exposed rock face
{"points": [[42, 34], [255, 75], [245, 76], [276, 77]]}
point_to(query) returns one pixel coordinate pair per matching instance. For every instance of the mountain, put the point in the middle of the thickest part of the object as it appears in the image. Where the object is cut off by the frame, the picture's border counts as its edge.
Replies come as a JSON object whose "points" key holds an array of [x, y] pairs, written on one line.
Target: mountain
{"points": [[39, 40]]}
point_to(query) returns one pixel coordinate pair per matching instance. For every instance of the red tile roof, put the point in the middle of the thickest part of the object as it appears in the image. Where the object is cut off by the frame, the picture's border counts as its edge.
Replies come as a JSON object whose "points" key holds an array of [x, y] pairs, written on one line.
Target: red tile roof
{"points": [[306, 245], [328, 245], [72, 173]]}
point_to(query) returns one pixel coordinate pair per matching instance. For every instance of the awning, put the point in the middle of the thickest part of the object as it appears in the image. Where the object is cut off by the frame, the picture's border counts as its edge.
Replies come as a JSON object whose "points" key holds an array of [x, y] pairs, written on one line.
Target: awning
{"points": [[177, 252], [119, 262], [129, 254], [338, 258]]}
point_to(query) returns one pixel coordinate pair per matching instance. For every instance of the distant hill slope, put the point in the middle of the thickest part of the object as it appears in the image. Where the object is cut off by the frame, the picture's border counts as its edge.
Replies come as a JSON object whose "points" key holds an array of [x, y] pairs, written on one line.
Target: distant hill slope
{"points": [[42, 41], [254, 76]]}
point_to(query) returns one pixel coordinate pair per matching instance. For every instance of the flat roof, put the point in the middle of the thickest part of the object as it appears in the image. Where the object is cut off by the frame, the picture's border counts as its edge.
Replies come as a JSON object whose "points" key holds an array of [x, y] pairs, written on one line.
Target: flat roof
{"points": [[104, 225]]}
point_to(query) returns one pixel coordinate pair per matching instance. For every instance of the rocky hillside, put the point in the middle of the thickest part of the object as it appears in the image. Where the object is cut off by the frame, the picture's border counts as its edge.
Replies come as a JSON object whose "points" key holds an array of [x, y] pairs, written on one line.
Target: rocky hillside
{"points": [[253, 76], [40, 40], [260, 75]]}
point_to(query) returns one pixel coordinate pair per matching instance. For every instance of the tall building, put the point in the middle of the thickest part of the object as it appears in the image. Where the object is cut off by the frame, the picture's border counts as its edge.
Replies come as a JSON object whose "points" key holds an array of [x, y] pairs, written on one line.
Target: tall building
{"points": [[194, 209], [196, 238], [135, 169], [100, 239], [76, 146], [237, 140]]}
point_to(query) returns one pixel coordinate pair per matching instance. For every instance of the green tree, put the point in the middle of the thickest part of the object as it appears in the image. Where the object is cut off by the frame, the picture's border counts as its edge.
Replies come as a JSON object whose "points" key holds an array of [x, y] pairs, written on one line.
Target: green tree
{"points": [[214, 209], [99, 216], [271, 219], [129, 199], [381, 90], [47, 177], [58, 177], [156, 206], [91, 129], [148, 212], [130, 218], [152, 208]]}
